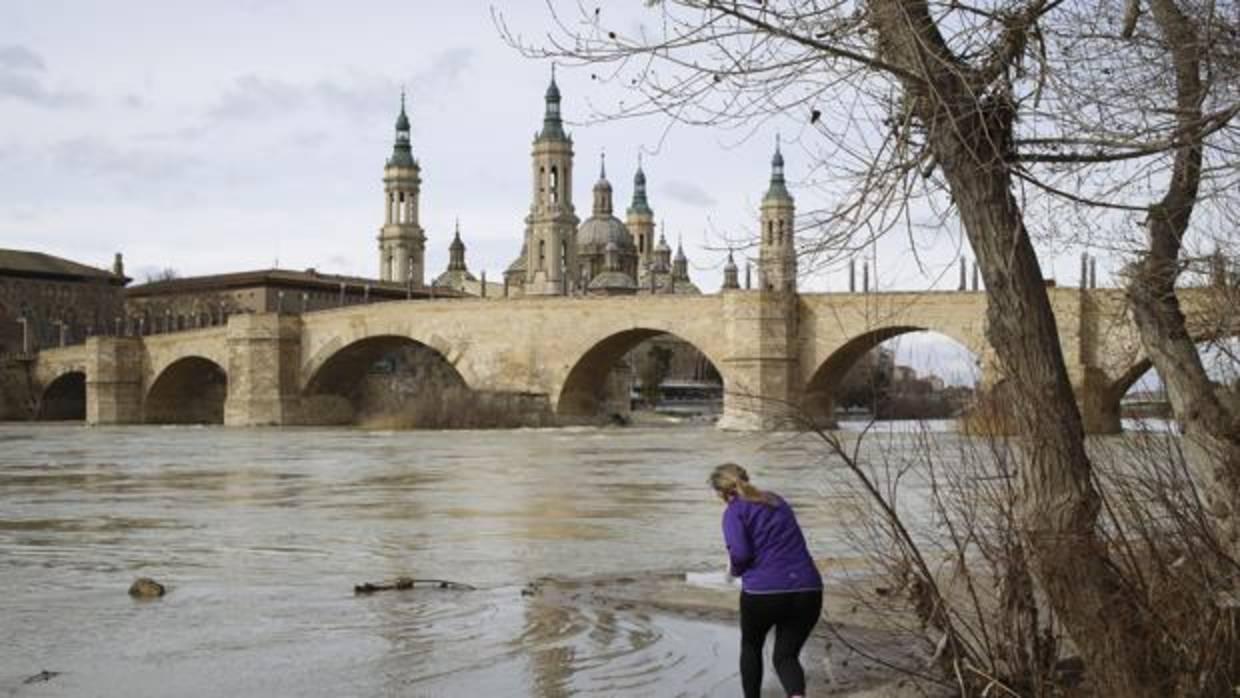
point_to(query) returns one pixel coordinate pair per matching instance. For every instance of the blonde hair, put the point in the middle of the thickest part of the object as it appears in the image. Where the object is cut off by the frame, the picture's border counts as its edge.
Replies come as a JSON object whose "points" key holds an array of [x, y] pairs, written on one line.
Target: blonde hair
{"points": [[731, 479]]}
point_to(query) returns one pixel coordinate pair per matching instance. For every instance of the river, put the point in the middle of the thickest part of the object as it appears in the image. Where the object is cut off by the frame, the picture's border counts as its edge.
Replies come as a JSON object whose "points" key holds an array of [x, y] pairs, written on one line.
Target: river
{"points": [[260, 536]]}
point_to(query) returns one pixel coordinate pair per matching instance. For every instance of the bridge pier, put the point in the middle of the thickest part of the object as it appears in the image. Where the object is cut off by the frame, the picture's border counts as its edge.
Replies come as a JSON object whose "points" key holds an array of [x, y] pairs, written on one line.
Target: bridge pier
{"points": [[114, 380], [264, 360], [763, 369]]}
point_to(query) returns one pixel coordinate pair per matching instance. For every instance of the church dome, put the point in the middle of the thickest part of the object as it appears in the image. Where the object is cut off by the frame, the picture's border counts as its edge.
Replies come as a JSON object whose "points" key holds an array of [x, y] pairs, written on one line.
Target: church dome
{"points": [[598, 231]]}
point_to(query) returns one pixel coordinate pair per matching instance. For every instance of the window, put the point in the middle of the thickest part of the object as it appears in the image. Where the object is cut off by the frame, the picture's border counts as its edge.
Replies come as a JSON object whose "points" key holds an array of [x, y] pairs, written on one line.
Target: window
{"points": [[542, 254], [555, 184]]}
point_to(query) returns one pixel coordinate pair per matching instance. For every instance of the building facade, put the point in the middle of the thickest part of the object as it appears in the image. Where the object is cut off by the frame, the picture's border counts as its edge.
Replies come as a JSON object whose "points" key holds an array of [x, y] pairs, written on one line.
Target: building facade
{"points": [[205, 301], [48, 301]]}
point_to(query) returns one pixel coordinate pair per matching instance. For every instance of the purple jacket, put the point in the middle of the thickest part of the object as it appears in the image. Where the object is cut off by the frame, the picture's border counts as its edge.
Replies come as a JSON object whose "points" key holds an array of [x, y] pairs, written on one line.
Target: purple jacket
{"points": [[767, 548]]}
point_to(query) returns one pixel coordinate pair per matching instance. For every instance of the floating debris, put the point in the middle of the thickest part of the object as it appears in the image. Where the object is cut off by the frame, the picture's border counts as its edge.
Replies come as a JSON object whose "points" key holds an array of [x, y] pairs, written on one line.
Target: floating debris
{"points": [[41, 677], [403, 583]]}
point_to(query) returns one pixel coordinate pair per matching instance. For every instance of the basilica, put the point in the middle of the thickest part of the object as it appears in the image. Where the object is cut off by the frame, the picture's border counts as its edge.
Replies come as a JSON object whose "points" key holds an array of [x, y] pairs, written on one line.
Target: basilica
{"points": [[561, 254]]}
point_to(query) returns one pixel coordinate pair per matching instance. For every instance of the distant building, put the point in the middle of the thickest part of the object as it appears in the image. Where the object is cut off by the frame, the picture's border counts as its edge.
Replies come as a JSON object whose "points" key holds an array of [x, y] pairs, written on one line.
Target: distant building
{"points": [[202, 301], [47, 300], [457, 276]]}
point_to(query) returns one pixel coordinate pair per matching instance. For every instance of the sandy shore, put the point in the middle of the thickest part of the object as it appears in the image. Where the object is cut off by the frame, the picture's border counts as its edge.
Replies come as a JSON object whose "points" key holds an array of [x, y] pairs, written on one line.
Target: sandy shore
{"points": [[854, 651]]}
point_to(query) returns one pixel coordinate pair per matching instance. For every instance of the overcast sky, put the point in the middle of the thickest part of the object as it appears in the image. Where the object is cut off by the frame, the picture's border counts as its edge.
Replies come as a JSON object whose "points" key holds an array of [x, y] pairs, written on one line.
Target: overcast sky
{"points": [[221, 136]]}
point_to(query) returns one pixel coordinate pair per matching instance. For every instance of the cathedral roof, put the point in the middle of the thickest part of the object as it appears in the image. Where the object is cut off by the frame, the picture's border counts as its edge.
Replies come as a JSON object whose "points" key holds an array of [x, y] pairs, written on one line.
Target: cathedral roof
{"points": [[613, 281], [453, 278]]}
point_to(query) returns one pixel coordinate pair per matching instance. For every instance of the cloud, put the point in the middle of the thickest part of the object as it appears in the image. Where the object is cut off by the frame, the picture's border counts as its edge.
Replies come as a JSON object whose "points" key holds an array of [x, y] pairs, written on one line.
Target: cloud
{"points": [[94, 157], [23, 77], [687, 193], [254, 96], [20, 58]]}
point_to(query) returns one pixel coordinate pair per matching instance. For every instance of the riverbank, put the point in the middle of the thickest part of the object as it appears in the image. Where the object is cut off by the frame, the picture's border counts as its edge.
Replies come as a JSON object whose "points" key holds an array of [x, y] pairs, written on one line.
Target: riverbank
{"points": [[854, 652]]}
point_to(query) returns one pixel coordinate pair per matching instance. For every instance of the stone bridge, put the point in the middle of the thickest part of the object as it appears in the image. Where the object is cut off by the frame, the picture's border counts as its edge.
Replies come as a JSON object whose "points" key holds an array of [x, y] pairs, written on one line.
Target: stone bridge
{"points": [[776, 352]]}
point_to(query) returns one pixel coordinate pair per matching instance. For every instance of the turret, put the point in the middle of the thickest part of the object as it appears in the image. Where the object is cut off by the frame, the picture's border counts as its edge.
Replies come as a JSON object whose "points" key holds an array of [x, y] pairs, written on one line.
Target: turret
{"points": [[457, 276], [680, 267], [456, 250], [730, 280]]}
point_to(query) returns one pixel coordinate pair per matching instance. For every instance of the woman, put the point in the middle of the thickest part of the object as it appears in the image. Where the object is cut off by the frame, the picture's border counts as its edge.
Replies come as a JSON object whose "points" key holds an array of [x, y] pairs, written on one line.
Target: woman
{"points": [[780, 586]]}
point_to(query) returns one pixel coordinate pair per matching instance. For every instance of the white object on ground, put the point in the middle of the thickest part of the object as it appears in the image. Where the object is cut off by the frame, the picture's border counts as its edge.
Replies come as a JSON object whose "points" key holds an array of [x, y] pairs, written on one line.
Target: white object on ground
{"points": [[713, 580]]}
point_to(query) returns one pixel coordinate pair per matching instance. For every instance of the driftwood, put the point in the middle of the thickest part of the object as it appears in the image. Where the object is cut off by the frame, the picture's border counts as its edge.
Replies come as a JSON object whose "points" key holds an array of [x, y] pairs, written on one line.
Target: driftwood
{"points": [[402, 583], [41, 677]]}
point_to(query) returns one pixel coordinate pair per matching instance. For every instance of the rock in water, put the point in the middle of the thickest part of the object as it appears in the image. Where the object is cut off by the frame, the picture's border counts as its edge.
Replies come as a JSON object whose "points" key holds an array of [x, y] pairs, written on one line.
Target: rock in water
{"points": [[146, 588]]}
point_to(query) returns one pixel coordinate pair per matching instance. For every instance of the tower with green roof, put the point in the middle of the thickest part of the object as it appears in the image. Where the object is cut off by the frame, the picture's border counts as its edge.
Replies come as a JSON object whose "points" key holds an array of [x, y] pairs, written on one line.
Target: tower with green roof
{"points": [[551, 227], [640, 219], [402, 242], [777, 259]]}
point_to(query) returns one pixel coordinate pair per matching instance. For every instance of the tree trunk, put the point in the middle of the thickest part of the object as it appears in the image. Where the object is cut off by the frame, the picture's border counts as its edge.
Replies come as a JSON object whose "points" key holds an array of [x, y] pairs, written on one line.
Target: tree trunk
{"points": [[969, 127], [1209, 427]]}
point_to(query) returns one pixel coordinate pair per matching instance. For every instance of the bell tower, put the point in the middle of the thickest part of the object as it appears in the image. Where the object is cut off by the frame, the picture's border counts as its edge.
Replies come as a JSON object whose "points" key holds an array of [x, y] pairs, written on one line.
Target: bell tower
{"points": [[551, 226], [402, 242], [777, 255], [640, 219]]}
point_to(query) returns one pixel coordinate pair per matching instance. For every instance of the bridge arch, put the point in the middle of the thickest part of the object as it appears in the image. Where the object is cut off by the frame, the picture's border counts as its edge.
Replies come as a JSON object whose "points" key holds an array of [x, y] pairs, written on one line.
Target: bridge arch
{"points": [[585, 391], [382, 373], [819, 396], [1130, 377], [64, 398], [189, 390]]}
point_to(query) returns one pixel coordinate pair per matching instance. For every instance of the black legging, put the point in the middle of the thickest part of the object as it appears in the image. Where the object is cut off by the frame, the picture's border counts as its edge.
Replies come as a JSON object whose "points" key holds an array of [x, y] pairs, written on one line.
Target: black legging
{"points": [[793, 614]]}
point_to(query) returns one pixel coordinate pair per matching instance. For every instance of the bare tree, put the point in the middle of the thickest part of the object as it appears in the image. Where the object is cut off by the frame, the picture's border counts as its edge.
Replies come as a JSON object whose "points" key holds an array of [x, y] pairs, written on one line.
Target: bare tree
{"points": [[978, 112], [165, 274]]}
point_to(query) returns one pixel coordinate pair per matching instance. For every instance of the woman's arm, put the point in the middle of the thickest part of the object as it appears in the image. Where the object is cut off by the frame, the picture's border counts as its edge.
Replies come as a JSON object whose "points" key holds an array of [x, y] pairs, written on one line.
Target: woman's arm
{"points": [[740, 549]]}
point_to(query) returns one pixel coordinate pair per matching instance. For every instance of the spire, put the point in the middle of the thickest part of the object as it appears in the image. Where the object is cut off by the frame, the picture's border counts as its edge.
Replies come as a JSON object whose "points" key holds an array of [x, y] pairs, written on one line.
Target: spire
{"points": [[553, 127], [456, 250], [662, 252], [778, 190], [602, 190], [730, 280], [402, 155], [680, 268], [402, 121], [640, 203]]}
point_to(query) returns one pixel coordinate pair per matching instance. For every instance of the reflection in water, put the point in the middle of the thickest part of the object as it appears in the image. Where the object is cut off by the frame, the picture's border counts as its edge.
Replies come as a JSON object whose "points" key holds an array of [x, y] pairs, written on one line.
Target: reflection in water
{"points": [[261, 534]]}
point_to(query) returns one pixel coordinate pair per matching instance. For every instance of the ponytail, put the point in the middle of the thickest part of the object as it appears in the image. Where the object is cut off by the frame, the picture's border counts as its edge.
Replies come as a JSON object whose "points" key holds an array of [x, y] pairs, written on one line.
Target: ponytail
{"points": [[731, 479]]}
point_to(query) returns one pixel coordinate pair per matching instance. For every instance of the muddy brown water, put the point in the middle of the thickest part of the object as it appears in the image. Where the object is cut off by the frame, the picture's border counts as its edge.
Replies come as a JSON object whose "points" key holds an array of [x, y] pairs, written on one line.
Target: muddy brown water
{"points": [[260, 536]]}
